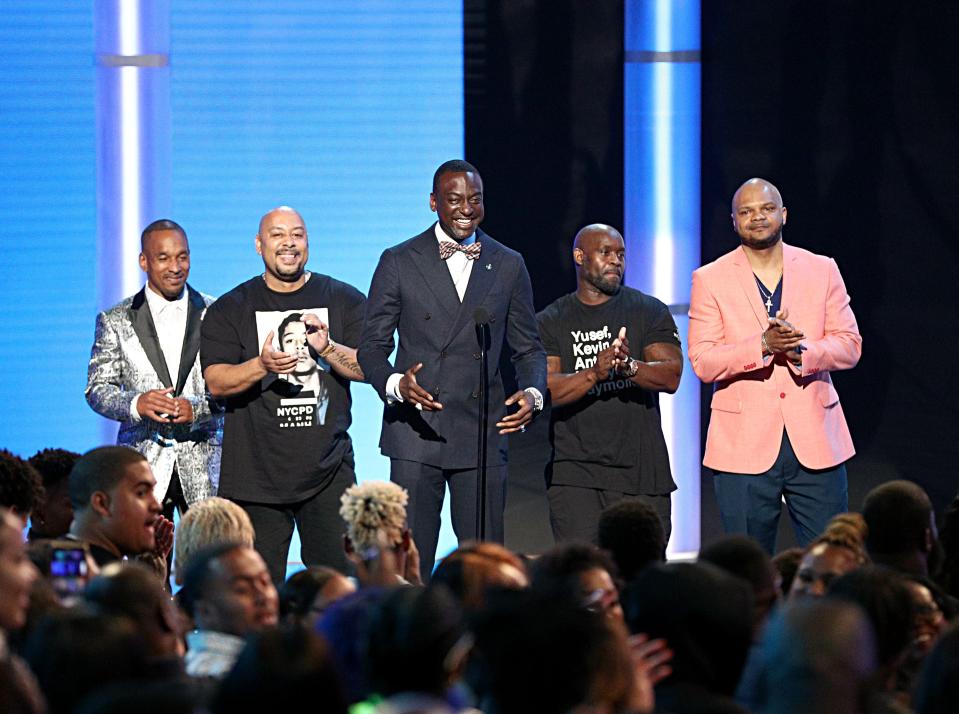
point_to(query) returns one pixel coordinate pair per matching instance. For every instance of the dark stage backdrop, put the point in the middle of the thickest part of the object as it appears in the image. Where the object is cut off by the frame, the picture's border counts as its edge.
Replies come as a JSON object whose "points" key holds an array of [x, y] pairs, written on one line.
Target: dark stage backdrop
{"points": [[544, 125], [850, 107]]}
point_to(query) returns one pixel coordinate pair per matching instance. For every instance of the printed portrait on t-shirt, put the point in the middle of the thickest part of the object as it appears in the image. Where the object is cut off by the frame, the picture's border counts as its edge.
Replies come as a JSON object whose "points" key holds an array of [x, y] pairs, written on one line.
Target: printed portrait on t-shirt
{"points": [[304, 395]]}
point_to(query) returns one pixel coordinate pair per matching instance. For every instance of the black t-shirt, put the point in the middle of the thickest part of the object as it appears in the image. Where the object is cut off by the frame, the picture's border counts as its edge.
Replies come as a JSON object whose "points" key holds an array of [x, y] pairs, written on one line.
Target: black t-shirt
{"points": [[285, 436], [612, 437]]}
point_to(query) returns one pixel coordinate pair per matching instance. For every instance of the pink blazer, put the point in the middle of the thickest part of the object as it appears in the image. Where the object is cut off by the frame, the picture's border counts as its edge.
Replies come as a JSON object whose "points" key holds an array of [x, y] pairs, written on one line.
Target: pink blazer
{"points": [[754, 398]]}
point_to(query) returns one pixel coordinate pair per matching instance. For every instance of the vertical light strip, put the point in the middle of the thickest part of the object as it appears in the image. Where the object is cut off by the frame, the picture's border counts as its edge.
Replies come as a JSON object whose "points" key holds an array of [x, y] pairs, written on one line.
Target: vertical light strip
{"points": [[661, 210], [662, 184], [131, 178], [131, 38]]}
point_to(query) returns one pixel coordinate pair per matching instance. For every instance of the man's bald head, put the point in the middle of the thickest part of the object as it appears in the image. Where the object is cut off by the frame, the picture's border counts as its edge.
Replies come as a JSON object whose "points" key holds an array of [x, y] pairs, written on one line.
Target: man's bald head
{"points": [[759, 188], [280, 211], [593, 232]]}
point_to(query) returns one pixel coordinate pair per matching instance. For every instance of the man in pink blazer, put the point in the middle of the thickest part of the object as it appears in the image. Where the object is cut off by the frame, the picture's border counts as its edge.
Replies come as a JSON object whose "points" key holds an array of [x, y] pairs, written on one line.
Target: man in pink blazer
{"points": [[768, 322]]}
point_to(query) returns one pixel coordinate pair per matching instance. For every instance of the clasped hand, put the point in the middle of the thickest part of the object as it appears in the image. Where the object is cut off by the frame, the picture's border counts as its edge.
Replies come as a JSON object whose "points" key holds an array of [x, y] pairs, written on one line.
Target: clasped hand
{"points": [[614, 359], [783, 337], [158, 405]]}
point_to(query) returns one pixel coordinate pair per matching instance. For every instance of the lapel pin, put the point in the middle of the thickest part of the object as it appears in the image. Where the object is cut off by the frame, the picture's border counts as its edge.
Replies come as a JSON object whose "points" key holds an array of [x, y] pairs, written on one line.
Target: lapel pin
{"points": [[489, 266]]}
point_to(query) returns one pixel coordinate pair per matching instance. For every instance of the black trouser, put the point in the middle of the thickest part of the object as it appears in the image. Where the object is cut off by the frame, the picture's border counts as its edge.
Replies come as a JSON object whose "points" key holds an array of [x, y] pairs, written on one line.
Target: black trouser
{"points": [[174, 500], [317, 519], [426, 486], [574, 511]]}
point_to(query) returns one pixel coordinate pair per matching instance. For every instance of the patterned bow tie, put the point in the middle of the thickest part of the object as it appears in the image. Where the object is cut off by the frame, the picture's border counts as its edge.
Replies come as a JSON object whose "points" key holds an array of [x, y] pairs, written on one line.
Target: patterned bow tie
{"points": [[448, 247]]}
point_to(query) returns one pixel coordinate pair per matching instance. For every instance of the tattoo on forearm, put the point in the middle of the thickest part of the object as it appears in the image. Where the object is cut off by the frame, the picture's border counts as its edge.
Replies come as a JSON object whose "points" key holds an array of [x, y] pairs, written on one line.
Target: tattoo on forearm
{"points": [[346, 362]]}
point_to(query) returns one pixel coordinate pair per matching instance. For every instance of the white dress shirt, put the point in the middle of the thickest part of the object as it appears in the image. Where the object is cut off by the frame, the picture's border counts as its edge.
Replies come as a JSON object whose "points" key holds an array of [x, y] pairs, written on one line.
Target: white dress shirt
{"points": [[169, 317]]}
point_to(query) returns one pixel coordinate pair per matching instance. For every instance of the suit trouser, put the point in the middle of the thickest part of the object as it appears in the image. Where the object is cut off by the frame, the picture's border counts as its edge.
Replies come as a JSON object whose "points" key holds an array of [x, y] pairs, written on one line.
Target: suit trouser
{"points": [[751, 503], [426, 486], [317, 519]]}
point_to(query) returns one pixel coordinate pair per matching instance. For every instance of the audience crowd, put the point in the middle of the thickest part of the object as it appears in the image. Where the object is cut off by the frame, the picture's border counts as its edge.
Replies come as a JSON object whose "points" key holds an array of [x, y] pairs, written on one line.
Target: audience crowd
{"points": [[863, 620]]}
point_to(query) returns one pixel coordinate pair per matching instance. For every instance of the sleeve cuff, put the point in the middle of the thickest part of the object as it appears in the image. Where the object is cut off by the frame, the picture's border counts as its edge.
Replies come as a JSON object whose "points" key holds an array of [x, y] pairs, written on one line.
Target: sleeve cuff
{"points": [[393, 388], [134, 414]]}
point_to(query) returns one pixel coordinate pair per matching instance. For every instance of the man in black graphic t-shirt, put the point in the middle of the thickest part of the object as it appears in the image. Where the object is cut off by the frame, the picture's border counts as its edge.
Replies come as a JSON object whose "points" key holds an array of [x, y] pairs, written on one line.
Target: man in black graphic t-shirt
{"points": [[607, 438], [278, 348]]}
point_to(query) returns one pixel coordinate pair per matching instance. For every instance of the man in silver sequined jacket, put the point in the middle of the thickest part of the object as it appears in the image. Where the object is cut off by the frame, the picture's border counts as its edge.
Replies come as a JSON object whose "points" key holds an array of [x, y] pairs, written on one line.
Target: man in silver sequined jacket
{"points": [[144, 372]]}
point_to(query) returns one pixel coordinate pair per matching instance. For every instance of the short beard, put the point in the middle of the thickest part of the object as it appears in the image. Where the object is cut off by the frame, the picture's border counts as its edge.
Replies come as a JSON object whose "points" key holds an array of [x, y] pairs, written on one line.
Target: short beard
{"points": [[765, 243], [607, 287], [291, 277]]}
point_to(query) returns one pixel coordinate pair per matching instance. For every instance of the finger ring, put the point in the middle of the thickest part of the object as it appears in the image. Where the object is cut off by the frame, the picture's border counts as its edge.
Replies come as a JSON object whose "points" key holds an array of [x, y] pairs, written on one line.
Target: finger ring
{"points": [[522, 428]]}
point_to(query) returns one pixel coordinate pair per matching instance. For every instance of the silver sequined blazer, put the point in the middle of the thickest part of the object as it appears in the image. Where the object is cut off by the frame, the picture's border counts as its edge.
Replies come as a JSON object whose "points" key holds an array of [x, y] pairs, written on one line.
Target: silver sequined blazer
{"points": [[126, 360]]}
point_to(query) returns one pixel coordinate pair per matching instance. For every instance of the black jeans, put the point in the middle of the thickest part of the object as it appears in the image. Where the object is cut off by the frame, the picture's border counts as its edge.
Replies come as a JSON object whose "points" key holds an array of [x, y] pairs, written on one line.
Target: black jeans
{"points": [[317, 519]]}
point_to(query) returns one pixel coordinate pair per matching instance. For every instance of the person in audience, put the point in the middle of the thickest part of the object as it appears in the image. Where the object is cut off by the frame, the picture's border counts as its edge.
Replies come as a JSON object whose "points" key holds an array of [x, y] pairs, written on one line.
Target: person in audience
{"points": [[284, 670], [306, 595], [633, 535], [345, 626], [536, 652], [584, 572], [131, 590], [937, 688], [17, 574], [473, 569], [378, 541], [902, 526], [18, 689], [706, 617], [928, 619], [743, 557], [228, 592], [928, 624], [883, 595], [821, 564], [816, 656], [208, 522], [54, 513], [21, 489], [74, 654], [416, 650], [849, 527], [115, 511]]}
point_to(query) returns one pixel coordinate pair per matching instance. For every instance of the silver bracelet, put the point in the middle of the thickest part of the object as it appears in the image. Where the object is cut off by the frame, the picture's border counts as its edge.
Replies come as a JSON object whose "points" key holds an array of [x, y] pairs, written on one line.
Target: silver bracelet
{"points": [[765, 346]]}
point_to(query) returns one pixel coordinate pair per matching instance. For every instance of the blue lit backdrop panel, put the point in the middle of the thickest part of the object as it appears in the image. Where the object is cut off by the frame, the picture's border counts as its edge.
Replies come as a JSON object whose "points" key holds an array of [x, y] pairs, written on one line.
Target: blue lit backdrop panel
{"points": [[342, 110], [662, 223], [47, 199]]}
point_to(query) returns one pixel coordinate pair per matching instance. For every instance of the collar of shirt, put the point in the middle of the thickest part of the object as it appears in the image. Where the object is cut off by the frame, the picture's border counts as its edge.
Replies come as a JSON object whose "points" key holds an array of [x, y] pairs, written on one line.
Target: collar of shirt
{"points": [[441, 236], [159, 304]]}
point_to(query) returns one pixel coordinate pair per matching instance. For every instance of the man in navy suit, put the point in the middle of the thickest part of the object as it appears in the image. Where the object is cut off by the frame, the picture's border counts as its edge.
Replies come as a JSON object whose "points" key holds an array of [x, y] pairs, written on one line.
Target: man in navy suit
{"points": [[431, 288]]}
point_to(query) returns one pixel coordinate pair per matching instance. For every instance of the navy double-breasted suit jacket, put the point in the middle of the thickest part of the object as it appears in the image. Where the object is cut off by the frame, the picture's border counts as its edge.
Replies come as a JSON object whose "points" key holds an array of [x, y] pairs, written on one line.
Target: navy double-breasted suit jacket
{"points": [[412, 291]]}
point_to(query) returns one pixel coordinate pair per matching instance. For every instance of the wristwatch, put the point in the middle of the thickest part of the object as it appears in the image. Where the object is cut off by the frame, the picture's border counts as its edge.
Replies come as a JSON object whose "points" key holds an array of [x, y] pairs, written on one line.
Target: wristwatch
{"points": [[537, 398]]}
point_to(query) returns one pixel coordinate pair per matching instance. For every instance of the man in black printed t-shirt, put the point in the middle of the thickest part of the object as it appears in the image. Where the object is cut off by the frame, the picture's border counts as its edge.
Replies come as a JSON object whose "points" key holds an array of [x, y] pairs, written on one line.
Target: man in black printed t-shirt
{"points": [[605, 426], [281, 349]]}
